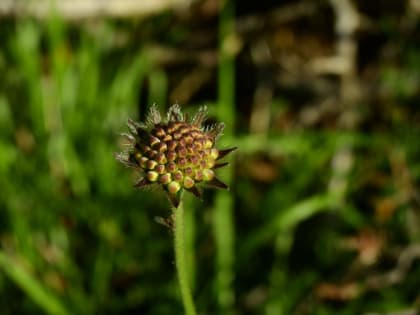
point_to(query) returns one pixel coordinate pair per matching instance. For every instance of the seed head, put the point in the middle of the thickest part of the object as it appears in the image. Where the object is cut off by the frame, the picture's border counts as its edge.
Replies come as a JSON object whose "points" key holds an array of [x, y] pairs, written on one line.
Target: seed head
{"points": [[174, 152]]}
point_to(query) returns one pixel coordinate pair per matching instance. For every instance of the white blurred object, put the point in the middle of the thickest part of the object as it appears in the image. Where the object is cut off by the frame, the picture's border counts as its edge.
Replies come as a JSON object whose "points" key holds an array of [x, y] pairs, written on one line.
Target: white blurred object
{"points": [[80, 9]]}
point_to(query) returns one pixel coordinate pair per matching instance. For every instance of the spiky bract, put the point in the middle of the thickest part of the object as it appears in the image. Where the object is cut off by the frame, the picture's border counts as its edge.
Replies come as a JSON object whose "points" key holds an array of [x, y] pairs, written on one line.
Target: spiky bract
{"points": [[174, 152]]}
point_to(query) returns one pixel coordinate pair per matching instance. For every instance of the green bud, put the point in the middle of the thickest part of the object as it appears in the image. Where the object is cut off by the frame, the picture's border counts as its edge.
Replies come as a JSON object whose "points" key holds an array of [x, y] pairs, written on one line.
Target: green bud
{"points": [[161, 158], [160, 169], [208, 174], [208, 143], [177, 175], [151, 164], [214, 153], [143, 161], [137, 156], [152, 176], [153, 141], [173, 187], [171, 167], [188, 182], [198, 175], [165, 178]]}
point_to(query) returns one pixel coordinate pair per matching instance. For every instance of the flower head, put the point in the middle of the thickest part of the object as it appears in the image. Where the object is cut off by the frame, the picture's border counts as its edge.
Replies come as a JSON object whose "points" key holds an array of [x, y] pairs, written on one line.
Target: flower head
{"points": [[174, 152]]}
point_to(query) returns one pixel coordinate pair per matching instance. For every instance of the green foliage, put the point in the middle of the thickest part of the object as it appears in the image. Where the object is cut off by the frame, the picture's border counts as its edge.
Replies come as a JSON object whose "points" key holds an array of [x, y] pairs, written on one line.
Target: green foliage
{"points": [[307, 205]]}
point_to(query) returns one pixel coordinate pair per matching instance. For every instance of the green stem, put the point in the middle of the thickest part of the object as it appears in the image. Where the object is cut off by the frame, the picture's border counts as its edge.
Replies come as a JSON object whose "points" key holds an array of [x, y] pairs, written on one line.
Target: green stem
{"points": [[180, 260]]}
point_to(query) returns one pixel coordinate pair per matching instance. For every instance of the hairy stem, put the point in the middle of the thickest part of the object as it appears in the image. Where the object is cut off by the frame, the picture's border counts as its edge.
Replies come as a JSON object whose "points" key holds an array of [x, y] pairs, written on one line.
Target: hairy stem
{"points": [[180, 260]]}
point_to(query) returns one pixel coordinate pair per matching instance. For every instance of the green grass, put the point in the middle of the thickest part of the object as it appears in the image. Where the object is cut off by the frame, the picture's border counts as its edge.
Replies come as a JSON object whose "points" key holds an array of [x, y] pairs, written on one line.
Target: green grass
{"points": [[76, 238]]}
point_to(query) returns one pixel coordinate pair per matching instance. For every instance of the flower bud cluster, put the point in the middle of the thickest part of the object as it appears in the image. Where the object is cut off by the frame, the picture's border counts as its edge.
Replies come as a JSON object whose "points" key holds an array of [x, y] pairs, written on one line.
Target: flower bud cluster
{"points": [[175, 153]]}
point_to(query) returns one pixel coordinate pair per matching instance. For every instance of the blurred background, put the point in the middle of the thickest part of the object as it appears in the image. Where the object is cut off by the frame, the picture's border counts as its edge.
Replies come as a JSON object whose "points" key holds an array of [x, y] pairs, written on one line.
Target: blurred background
{"points": [[320, 97]]}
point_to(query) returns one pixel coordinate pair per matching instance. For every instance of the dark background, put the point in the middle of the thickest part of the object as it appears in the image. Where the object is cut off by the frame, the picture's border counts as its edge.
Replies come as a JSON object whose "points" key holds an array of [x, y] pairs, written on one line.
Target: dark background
{"points": [[321, 99]]}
